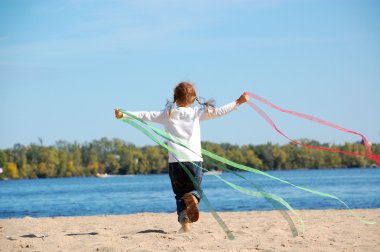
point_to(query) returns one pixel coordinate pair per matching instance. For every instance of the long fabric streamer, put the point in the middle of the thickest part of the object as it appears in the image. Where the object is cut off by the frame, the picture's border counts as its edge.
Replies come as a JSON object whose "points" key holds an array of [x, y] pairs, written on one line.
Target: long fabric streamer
{"points": [[172, 138], [368, 154], [272, 198], [275, 200]]}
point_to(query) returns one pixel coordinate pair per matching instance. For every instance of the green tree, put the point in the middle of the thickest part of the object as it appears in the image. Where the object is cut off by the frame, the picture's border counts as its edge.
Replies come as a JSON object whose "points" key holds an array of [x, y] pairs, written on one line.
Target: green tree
{"points": [[155, 159], [251, 159], [117, 157], [264, 152], [279, 157], [52, 162], [112, 164], [42, 171], [235, 155], [92, 164], [71, 171]]}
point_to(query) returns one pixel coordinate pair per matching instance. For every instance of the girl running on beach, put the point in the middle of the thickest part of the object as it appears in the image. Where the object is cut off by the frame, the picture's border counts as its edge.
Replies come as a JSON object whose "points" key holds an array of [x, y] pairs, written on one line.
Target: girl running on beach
{"points": [[182, 120]]}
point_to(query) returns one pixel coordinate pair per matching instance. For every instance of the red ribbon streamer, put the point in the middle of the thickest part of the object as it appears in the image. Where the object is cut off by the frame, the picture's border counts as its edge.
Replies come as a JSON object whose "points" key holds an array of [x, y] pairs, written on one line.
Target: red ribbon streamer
{"points": [[368, 154]]}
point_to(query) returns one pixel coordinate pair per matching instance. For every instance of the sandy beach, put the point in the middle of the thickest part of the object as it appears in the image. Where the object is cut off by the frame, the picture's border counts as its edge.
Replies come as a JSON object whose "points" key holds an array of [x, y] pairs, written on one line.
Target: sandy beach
{"points": [[325, 230]]}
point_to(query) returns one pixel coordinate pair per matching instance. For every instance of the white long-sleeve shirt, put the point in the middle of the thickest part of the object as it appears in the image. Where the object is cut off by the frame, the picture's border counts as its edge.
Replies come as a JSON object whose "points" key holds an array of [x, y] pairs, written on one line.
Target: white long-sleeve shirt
{"points": [[185, 125]]}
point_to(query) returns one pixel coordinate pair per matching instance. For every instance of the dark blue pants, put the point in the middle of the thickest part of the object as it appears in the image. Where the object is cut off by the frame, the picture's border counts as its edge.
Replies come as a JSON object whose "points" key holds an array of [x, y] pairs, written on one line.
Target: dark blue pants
{"points": [[181, 183]]}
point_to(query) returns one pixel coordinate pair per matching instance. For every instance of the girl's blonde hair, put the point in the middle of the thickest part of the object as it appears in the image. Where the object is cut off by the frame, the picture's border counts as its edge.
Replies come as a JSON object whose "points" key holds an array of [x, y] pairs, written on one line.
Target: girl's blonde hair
{"points": [[184, 93]]}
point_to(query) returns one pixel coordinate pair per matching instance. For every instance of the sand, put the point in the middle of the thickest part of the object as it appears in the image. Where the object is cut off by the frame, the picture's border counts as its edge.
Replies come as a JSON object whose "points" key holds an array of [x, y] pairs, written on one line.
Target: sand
{"points": [[325, 230]]}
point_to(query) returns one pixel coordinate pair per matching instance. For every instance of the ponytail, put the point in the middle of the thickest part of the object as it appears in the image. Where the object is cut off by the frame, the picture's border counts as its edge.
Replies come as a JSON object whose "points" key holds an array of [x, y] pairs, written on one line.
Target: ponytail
{"points": [[169, 108], [207, 104]]}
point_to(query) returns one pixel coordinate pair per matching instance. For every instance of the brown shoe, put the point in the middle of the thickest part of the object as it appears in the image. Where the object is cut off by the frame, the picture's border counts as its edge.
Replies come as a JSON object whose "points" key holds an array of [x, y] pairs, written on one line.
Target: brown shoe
{"points": [[191, 203]]}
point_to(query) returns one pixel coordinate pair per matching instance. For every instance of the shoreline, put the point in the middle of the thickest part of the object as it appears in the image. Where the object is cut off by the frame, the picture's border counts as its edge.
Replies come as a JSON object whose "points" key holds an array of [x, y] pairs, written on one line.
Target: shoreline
{"points": [[105, 175], [201, 212], [325, 230]]}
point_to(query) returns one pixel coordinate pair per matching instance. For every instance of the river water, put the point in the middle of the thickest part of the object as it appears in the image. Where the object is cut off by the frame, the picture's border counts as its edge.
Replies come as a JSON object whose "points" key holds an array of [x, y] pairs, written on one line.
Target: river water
{"points": [[359, 188]]}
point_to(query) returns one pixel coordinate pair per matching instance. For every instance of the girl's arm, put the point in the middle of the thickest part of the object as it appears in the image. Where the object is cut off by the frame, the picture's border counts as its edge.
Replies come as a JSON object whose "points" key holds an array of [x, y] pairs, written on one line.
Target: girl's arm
{"points": [[224, 110], [151, 116]]}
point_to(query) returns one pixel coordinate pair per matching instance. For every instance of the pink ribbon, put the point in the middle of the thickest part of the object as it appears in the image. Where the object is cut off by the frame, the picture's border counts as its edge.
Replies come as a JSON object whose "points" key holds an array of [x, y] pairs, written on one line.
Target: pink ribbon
{"points": [[368, 154]]}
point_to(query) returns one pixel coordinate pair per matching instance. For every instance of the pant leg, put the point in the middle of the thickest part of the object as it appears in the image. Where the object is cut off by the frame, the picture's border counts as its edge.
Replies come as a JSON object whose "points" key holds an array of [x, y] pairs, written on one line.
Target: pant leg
{"points": [[181, 183], [197, 172]]}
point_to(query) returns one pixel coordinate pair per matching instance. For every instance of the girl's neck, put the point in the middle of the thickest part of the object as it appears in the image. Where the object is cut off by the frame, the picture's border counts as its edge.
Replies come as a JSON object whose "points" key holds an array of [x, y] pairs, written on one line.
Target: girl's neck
{"points": [[183, 104]]}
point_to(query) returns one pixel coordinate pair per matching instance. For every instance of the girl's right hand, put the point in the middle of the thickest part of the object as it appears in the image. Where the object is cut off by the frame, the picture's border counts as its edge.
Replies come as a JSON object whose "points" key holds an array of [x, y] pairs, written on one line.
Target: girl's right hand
{"points": [[243, 98], [118, 114]]}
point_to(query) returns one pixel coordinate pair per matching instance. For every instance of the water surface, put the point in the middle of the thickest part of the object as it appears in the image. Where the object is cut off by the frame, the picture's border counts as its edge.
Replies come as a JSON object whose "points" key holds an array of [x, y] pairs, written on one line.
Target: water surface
{"points": [[359, 188]]}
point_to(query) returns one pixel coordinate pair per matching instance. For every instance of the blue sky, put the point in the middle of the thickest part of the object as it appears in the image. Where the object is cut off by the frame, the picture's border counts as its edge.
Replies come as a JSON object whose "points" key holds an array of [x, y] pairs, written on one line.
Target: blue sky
{"points": [[65, 64]]}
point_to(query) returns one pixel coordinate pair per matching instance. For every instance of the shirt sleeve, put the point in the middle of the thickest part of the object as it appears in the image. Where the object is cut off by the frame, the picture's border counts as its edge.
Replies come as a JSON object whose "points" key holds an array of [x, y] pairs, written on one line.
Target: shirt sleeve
{"points": [[151, 116], [211, 113]]}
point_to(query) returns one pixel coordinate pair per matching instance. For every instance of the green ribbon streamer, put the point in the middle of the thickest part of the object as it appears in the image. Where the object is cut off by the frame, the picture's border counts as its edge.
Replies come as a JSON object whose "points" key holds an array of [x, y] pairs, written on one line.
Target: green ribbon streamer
{"points": [[271, 197]]}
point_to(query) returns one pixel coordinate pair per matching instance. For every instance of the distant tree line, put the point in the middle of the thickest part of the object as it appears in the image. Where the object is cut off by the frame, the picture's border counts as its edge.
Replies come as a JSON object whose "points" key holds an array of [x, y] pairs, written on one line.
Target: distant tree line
{"points": [[115, 156]]}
